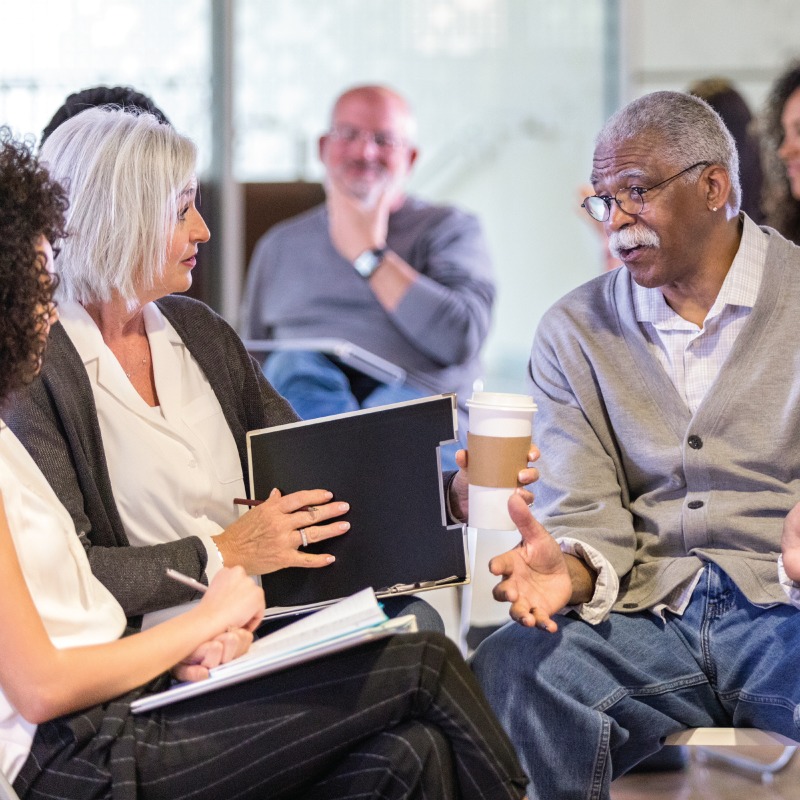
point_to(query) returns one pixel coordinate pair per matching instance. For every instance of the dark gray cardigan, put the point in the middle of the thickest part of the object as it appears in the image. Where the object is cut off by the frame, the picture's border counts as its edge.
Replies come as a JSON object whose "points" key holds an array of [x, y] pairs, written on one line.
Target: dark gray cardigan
{"points": [[56, 420]]}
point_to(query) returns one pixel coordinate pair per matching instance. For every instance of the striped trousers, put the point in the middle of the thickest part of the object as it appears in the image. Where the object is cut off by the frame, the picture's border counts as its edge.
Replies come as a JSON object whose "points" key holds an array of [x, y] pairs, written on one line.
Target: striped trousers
{"points": [[398, 718]]}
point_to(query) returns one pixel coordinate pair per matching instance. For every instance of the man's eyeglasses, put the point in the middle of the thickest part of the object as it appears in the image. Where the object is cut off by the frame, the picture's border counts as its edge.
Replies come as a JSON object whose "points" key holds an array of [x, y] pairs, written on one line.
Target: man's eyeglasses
{"points": [[381, 139], [631, 200]]}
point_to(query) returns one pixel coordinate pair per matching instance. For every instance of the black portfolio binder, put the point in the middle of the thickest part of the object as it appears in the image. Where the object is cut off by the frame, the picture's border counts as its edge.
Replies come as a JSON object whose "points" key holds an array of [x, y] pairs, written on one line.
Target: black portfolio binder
{"points": [[384, 462]]}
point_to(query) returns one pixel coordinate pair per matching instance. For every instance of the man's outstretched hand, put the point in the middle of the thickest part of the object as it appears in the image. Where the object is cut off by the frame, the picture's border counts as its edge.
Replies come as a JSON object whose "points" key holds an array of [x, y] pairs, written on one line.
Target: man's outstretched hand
{"points": [[790, 544], [536, 579]]}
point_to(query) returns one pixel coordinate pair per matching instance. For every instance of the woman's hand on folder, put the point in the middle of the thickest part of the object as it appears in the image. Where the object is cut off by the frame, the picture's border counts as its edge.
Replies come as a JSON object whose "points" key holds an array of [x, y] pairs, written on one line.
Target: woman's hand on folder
{"points": [[273, 534], [459, 488]]}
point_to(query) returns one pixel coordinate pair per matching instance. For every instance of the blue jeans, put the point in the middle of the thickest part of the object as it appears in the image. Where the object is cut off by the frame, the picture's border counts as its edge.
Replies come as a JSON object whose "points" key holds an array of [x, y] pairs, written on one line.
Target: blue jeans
{"points": [[316, 387], [584, 705], [428, 618]]}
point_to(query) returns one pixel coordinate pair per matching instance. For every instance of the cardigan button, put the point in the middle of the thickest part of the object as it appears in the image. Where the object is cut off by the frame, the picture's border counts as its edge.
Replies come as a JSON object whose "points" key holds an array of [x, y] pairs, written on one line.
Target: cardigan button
{"points": [[695, 504], [695, 442]]}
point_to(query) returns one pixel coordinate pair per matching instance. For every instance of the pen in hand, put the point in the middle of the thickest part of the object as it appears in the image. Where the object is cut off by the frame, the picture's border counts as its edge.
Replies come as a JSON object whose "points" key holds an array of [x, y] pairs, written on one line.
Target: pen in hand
{"points": [[185, 579]]}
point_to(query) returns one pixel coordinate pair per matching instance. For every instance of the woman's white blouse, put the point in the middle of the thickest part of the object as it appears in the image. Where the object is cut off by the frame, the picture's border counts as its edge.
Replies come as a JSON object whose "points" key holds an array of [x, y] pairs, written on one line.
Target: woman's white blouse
{"points": [[75, 607], [175, 468]]}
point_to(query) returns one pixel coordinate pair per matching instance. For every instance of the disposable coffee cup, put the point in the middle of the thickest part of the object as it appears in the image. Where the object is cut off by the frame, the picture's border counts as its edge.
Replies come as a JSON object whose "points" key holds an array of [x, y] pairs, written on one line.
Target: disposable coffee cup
{"points": [[498, 439]]}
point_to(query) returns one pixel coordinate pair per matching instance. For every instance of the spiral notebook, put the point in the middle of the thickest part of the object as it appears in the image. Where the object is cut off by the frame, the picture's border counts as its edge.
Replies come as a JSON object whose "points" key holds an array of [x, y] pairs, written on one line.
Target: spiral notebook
{"points": [[385, 463], [350, 622]]}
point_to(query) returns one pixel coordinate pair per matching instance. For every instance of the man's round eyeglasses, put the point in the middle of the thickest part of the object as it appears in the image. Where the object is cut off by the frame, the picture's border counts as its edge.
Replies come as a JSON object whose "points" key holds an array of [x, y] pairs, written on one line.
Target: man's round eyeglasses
{"points": [[630, 200], [381, 139]]}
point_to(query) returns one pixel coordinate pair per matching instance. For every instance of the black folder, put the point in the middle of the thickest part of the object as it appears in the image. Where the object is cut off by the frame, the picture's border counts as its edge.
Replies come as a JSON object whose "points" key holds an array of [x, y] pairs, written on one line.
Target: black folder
{"points": [[385, 463]]}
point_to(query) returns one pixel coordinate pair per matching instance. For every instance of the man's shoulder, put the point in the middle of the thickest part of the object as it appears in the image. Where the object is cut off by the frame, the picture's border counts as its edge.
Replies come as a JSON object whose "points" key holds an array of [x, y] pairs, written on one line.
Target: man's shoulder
{"points": [[779, 247], [298, 225], [431, 214], [588, 325], [590, 300], [441, 226]]}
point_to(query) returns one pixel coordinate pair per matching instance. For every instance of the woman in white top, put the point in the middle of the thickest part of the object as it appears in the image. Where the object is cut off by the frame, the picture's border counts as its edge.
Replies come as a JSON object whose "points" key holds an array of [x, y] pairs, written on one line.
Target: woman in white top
{"points": [[408, 706]]}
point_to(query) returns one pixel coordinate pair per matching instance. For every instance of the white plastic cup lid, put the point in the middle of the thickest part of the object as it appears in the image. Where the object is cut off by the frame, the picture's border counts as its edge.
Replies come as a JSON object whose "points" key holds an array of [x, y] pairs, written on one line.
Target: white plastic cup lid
{"points": [[501, 400]]}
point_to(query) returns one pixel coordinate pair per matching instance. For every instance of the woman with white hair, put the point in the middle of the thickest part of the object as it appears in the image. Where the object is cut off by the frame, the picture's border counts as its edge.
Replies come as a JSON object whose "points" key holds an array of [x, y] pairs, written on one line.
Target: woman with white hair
{"points": [[140, 416]]}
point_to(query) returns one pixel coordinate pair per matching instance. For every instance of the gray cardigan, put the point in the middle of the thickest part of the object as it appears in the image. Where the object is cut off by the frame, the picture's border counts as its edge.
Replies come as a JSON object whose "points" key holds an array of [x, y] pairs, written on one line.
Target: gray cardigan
{"points": [[56, 420], [628, 469]]}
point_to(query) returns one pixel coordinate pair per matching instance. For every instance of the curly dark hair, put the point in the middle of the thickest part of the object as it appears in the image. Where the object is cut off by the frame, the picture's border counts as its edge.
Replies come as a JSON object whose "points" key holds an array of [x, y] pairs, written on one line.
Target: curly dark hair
{"points": [[782, 210], [31, 205]]}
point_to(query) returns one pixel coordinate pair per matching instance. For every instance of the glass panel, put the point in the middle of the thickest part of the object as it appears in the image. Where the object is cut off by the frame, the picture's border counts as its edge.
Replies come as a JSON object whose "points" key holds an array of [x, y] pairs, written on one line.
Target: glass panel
{"points": [[52, 48], [508, 94]]}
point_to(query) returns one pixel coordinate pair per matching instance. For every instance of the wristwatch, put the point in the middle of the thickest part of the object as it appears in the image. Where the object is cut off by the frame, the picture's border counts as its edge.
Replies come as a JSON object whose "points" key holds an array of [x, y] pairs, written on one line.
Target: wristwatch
{"points": [[366, 264]]}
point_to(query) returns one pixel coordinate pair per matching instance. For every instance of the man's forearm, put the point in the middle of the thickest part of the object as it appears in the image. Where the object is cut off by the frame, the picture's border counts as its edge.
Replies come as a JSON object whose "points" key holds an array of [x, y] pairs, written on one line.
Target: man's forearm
{"points": [[583, 579]]}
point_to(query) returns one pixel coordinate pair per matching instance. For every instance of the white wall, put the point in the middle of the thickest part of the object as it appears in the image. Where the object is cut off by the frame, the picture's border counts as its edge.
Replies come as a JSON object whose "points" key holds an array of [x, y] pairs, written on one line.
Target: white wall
{"points": [[667, 45]]}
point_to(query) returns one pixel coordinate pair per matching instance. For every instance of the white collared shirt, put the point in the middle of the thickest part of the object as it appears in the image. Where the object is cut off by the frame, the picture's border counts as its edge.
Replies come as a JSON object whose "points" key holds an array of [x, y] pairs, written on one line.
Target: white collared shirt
{"points": [[174, 468], [692, 356]]}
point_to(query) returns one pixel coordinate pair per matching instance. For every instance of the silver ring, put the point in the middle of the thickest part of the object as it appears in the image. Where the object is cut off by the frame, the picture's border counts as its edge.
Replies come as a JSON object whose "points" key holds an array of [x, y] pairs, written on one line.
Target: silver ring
{"points": [[303, 537]]}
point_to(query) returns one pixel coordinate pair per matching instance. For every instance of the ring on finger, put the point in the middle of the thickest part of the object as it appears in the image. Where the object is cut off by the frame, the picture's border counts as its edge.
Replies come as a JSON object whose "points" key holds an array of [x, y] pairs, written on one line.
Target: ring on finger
{"points": [[303, 537]]}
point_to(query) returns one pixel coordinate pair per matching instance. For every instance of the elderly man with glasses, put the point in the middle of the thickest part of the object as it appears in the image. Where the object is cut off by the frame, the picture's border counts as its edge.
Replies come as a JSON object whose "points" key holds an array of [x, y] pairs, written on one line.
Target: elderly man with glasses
{"points": [[648, 594], [407, 280]]}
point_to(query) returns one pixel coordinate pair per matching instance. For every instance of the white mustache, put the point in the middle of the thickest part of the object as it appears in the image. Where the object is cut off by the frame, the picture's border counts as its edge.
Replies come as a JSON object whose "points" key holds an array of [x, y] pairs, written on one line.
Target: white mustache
{"points": [[628, 238]]}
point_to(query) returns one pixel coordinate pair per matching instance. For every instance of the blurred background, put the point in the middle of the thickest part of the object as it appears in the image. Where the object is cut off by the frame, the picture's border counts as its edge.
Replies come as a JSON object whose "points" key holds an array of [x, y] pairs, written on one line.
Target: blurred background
{"points": [[509, 95]]}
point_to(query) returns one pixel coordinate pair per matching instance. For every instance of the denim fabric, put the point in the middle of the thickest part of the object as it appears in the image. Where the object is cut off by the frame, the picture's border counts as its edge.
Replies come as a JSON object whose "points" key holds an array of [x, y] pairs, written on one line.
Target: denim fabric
{"points": [[316, 387], [428, 618], [584, 705]]}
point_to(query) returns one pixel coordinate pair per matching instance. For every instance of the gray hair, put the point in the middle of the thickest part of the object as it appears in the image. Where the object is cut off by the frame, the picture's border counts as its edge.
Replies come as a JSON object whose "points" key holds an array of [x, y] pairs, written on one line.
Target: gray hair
{"points": [[124, 173], [688, 130]]}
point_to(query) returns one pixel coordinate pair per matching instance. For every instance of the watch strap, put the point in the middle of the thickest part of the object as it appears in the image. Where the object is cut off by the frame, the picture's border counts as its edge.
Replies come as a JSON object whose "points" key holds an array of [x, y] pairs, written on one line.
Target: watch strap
{"points": [[366, 264]]}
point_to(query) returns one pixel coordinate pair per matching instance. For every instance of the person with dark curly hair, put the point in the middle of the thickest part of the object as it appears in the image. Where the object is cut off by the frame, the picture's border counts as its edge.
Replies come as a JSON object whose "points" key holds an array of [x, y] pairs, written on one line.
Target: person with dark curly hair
{"points": [[407, 705], [124, 97], [782, 154], [31, 216]]}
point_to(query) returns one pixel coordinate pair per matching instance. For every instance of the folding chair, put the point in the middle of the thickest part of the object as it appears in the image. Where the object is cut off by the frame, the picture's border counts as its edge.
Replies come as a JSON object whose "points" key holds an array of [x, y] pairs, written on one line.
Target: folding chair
{"points": [[706, 738], [348, 353]]}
